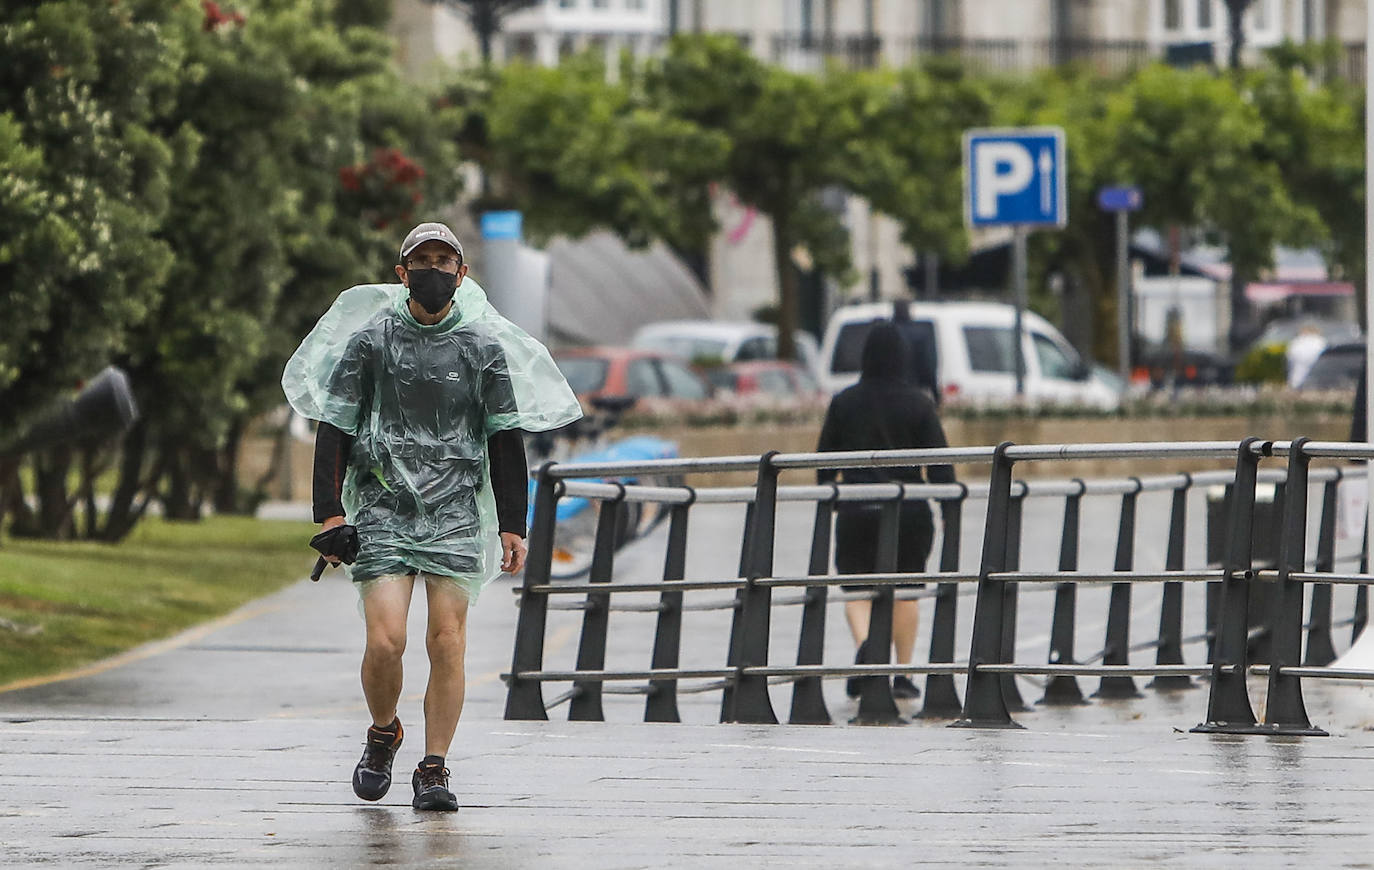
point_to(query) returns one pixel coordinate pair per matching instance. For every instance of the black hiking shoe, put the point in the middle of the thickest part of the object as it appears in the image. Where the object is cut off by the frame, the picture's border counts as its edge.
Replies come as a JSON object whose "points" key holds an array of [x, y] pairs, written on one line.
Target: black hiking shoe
{"points": [[372, 776], [430, 782], [903, 687]]}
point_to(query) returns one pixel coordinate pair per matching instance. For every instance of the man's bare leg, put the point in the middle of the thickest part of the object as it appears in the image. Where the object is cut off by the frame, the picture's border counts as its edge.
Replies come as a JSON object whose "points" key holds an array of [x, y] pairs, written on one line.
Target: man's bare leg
{"points": [[384, 610], [446, 641]]}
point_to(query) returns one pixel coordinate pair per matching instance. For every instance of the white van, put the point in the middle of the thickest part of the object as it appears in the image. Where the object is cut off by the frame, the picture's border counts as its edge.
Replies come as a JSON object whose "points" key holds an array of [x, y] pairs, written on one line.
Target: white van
{"points": [[725, 341], [973, 352]]}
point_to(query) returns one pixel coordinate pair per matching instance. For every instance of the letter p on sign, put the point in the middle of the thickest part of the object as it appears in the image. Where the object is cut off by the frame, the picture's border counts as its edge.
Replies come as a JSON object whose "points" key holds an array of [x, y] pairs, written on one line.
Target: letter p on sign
{"points": [[1014, 176]]}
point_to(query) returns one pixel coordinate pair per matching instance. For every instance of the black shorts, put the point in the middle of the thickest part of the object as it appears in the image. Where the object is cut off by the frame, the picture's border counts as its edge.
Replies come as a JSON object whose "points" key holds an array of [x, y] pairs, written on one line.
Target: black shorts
{"points": [[856, 540]]}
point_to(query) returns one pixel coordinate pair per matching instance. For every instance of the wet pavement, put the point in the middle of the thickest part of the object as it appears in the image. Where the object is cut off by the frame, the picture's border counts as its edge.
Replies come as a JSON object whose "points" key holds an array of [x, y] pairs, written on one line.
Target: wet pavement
{"points": [[233, 744]]}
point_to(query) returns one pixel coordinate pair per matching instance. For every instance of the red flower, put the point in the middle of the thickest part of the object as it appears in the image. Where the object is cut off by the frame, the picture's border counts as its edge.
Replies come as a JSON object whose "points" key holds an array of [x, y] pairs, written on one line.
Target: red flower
{"points": [[348, 178], [215, 16]]}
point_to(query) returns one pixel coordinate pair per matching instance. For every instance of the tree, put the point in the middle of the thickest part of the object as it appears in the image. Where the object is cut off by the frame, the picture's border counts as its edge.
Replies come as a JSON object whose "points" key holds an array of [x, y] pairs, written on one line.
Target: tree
{"points": [[486, 17], [575, 152], [83, 85], [298, 190], [1315, 135], [907, 161], [789, 138]]}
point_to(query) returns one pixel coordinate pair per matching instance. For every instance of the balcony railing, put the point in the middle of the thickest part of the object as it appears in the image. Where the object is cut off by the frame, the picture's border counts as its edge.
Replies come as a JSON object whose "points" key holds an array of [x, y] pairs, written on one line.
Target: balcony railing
{"points": [[805, 52]]}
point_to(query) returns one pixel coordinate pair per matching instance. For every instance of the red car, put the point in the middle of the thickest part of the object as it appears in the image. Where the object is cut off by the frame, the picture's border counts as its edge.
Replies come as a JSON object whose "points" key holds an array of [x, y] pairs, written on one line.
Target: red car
{"points": [[624, 373], [779, 378]]}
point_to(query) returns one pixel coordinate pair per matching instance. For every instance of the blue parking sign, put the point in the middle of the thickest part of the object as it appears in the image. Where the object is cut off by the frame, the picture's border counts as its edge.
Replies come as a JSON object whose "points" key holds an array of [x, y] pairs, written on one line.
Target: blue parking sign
{"points": [[1015, 176]]}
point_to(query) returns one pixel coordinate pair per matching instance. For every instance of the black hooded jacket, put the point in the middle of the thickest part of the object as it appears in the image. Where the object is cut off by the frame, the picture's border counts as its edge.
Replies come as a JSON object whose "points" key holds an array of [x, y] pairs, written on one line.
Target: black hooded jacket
{"points": [[883, 411]]}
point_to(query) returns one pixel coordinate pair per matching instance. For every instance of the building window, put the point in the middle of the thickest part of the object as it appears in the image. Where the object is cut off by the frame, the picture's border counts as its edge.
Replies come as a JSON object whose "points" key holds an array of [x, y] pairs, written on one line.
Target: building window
{"points": [[567, 4], [1260, 19], [939, 18], [1204, 14], [1309, 20], [1173, 14], [520, 47], [634, 5], [601, 4]]}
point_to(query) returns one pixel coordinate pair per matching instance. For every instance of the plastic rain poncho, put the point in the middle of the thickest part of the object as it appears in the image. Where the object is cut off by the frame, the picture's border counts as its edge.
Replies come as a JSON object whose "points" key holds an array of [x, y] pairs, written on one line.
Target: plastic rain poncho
{"points": [[420, 402]]}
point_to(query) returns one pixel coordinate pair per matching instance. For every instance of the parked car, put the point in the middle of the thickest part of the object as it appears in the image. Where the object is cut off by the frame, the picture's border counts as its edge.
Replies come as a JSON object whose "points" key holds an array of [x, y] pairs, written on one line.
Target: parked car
{"points": [[715, 342], [1193, 368], [779, 378], [971, 349], [621, 373], [1338, 368]]}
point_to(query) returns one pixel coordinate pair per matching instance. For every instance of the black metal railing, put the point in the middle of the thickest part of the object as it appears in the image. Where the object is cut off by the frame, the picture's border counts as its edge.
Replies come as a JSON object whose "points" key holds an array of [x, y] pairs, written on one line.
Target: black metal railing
{"points": [[990, 692], [805, 52]]}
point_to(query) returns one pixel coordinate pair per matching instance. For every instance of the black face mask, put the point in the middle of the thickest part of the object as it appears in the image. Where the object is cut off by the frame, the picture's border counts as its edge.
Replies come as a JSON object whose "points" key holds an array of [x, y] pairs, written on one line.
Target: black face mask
{"points": [[431, 288]]}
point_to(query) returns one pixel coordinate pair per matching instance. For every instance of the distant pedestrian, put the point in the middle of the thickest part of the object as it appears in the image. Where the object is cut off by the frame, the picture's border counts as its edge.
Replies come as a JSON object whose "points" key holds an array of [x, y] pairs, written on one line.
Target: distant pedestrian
{"points": [[1302, 352], [421, 390], [886, 409]]}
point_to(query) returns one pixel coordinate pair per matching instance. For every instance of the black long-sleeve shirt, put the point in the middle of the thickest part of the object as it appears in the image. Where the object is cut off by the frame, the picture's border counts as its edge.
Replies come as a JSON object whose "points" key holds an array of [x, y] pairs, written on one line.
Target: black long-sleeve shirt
{"points": [[505, 455]]}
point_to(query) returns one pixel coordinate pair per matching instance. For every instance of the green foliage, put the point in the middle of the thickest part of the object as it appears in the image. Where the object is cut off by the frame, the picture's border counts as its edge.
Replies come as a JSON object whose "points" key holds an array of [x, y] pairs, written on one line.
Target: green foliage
{"points": [[1265, 364], [907, 160], [86, 184], [575, 152]]}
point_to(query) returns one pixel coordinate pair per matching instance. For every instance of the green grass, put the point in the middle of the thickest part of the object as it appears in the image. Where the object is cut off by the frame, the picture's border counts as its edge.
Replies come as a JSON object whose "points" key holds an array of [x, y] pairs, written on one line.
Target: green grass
{"points": [[63, 605]]}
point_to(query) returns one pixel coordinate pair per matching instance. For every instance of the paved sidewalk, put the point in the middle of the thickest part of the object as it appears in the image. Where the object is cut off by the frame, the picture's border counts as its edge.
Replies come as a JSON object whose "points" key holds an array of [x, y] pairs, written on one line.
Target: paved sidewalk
{"points": [[233, 744]]}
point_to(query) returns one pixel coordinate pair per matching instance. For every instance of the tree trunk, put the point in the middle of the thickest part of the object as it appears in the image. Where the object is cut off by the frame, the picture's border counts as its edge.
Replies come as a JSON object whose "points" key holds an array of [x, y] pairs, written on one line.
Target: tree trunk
{"points": [[89, 470], [178, 501], [50, 483], [788, 290], [24, 524], [227, 498], [122, 517]]}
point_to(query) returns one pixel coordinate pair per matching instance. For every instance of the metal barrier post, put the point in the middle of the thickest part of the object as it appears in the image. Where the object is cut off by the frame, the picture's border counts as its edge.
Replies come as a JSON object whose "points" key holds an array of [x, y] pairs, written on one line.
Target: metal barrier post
{"points": [[591, 649], [525, 698], [1170, 648], [1262, 595], [983, 704], [661, 705], [1320, 648], [1011, 593], [941, 698], [1212, 603], [1228, 702], [1361, 592], [1117, 647], [876, 705], [750, 701], [734, 650], [1284, 711], [1062, 690], [808, 699]]}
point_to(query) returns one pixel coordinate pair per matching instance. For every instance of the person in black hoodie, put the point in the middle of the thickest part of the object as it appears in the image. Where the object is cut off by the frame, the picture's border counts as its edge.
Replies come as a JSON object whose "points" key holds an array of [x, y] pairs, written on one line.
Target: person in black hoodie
{"points": [[884, 410]]}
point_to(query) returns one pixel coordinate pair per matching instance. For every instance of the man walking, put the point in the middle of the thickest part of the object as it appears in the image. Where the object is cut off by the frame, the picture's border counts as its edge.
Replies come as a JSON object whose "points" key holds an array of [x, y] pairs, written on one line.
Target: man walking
{"points": [[421, 390]]}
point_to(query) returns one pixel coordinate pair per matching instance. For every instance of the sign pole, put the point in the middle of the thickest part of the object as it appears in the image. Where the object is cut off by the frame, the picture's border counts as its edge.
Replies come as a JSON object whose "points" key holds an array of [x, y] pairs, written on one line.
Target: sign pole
{"points": [[1018, 271], [1123, 296], [1369, 261]]}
